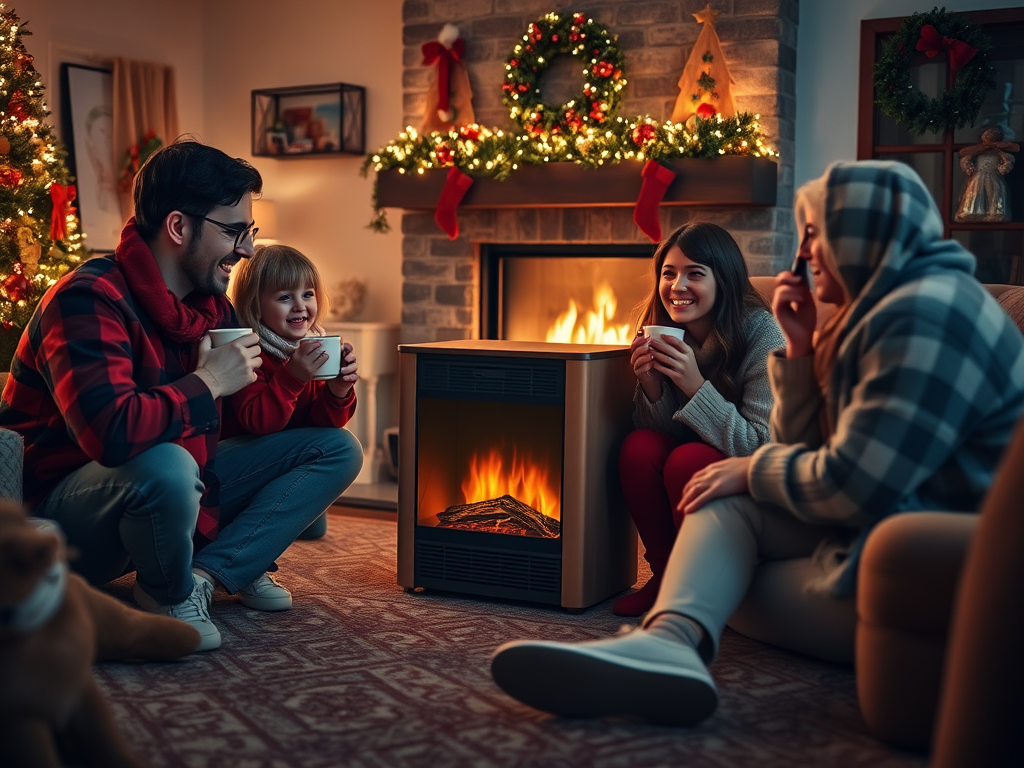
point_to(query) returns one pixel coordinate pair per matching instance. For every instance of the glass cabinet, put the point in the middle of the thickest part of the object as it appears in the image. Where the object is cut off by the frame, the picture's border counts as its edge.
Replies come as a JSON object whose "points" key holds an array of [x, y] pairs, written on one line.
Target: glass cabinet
{"points": [[999, 245]]}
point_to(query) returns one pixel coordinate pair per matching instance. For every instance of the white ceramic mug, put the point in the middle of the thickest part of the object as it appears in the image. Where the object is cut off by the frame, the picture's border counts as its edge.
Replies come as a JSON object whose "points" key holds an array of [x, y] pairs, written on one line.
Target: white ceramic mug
{"points": [[654, 331], [332, 346], [221, 336]]}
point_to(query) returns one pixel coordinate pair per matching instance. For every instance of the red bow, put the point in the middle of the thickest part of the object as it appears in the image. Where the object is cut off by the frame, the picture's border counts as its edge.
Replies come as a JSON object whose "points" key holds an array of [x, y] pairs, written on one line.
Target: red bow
{"points": [[437, 53], [62, 197], [932, 43]]}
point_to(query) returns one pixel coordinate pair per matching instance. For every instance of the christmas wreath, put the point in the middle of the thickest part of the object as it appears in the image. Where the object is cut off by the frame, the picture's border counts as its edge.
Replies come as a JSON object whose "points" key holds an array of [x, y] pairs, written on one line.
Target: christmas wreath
{"points": [[933, 33], [556, 33]]}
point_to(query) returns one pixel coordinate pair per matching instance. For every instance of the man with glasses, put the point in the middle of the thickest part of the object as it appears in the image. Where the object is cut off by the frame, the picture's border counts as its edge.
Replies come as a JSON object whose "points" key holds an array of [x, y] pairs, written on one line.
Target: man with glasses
{"points": [[117, 392]]}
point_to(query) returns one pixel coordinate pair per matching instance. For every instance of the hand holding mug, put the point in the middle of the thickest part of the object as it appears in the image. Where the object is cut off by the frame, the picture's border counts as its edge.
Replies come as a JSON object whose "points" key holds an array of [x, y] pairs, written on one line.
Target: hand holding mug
{"points": [[347, 376], [228, 359]]}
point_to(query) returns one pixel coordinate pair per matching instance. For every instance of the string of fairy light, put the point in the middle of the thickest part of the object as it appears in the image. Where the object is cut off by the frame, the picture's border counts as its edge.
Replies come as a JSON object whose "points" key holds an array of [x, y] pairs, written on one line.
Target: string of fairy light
{"points": [[30, 164], [589, 136]]}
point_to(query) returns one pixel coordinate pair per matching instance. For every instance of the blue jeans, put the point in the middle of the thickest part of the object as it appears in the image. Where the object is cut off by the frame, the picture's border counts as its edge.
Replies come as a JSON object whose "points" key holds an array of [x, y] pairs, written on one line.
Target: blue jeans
{"points": [[144, 512]]}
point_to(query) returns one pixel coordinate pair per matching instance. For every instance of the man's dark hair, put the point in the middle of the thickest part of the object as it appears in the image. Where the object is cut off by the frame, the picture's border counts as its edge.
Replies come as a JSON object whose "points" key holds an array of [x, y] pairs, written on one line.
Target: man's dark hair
{"points": [[190, 177]]}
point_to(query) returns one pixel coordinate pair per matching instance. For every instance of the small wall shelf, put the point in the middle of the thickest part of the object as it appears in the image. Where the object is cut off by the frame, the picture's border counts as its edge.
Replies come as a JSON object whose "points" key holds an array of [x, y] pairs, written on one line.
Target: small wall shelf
{"points": [[309, 120], [731, 180]]}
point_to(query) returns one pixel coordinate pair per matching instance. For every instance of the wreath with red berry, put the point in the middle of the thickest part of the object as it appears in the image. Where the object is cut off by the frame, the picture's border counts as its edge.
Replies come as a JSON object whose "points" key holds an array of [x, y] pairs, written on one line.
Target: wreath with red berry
{"points": [[554, 34], [923, 36]]}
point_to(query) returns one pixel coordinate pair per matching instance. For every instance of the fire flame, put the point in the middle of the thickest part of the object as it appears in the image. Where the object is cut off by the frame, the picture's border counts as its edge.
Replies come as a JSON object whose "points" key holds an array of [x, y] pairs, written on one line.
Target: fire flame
{"points": [[525, 481], [595, 327]]}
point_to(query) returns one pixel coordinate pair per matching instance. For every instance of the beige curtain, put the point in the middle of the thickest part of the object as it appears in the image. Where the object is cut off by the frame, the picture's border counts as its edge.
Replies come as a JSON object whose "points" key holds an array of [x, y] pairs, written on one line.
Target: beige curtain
{"points": [[145, 100]]}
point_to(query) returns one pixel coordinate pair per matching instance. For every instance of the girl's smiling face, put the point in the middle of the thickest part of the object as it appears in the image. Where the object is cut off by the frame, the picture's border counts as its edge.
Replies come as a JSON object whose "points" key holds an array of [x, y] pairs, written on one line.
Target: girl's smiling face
{"points": [[687, 291], [289, 313]]}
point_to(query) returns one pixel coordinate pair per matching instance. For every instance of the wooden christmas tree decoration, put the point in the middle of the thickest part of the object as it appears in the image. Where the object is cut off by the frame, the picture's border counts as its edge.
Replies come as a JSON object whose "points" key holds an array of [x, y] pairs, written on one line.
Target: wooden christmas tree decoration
{"points": [[705, 87]]}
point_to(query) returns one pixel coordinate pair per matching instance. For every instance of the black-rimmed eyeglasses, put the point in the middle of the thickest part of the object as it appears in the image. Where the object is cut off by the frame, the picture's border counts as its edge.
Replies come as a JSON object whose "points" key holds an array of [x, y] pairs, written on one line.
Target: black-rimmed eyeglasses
{"points": [[240, 235]]}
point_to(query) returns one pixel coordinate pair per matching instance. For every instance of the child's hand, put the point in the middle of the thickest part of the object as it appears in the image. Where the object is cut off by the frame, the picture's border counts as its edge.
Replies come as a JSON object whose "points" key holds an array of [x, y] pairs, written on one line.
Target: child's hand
{"points": [[342, 384], [306, 360]]}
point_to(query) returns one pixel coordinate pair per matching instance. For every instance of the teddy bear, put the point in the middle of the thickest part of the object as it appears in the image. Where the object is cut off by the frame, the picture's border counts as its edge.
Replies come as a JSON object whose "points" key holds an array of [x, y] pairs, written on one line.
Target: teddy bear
{"points": [[53, 626]]}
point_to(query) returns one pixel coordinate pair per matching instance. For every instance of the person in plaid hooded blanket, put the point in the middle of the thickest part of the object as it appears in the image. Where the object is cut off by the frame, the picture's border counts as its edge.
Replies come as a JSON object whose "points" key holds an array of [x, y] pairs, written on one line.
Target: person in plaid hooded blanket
{"points": [[904, 401]]}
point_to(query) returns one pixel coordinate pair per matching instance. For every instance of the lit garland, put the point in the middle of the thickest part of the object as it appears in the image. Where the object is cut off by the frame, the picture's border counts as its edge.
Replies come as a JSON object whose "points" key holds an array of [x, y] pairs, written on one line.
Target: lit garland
{"points": [[31, 161], [563, 135], [494, 154]]}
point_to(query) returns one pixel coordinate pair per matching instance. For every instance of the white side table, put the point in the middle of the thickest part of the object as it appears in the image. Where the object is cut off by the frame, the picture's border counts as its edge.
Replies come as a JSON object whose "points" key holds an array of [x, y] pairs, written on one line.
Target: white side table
{"points": [[376, 348]]}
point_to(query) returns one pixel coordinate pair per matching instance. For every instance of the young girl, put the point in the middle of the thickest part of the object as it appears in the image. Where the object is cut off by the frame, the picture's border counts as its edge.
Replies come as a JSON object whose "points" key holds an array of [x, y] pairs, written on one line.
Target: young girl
{"points": [[698, 400], [279, 294]]}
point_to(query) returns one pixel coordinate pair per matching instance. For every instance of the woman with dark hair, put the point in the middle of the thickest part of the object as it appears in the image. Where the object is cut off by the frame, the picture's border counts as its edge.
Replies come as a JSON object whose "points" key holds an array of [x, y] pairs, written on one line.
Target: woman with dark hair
{"points": [[699, 399]]}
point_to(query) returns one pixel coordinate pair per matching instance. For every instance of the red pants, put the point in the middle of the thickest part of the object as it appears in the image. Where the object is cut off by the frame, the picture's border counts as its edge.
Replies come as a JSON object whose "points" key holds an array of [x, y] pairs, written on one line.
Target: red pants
{"points": [[653, 469]]}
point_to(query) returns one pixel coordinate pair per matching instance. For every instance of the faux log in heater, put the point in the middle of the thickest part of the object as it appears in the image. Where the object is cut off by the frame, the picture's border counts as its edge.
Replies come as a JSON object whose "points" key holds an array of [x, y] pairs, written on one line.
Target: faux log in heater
{"points": [[508, 484]]}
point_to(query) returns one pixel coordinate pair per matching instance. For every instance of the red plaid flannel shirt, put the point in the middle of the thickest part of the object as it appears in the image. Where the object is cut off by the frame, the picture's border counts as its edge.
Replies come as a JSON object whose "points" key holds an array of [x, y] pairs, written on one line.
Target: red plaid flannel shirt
{"points": [[95, 380]]}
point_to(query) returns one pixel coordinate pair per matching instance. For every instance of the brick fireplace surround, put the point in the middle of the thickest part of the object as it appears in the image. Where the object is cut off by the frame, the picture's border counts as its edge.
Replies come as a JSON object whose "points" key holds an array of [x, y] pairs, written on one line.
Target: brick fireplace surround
{"points": [[440, 291]]}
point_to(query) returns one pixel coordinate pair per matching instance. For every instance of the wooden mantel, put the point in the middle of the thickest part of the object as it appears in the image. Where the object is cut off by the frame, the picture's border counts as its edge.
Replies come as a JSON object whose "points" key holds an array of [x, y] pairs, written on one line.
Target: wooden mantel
{"points": [[731, 180]]}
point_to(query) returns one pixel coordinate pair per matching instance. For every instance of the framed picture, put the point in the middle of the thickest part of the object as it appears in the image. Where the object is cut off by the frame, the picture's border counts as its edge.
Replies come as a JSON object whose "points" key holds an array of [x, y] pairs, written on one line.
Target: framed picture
{"points": [[87, 113], [309, 120]]}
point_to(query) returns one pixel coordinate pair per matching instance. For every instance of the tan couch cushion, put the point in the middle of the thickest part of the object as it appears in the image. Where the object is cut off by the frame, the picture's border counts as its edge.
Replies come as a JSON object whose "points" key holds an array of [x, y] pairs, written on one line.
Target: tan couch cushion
{"points": [[1012, 302]]}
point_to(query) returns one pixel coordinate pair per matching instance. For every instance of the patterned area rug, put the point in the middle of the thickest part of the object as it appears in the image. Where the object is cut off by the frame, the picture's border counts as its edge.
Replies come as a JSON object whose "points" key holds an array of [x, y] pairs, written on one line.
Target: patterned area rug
{"points": [[361, 673]]}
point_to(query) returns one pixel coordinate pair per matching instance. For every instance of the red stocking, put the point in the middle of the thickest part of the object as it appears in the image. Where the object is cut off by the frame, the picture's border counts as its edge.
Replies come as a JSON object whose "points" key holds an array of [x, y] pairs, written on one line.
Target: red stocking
{"points": [[455, 188], [656, 181]]}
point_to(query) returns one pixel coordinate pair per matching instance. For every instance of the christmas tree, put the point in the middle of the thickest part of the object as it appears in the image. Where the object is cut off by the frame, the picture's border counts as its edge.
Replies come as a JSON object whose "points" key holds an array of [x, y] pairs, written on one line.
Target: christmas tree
{"points": [[39, 237]]}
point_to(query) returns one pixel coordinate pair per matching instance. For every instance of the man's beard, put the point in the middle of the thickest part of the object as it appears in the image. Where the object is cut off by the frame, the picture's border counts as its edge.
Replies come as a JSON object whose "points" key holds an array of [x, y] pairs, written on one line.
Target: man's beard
{"points": [[205, 277]]}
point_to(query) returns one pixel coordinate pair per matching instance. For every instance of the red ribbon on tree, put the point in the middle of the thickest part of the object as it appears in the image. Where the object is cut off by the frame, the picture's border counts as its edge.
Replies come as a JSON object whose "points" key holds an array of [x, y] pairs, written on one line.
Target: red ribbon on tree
{"points": [[62, 197], [436, 52], [932, 43]]}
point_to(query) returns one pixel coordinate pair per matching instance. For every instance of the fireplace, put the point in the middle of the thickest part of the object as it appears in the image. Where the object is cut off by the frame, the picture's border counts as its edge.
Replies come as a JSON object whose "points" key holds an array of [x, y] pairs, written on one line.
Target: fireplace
{"points": [[582, 294], [508, 484]]}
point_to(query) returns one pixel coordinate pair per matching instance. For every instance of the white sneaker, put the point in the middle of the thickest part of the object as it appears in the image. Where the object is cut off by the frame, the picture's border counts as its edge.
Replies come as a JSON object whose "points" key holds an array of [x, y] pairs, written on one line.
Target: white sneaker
{"points": [[265, 594], [195, 610], [637, 674]]}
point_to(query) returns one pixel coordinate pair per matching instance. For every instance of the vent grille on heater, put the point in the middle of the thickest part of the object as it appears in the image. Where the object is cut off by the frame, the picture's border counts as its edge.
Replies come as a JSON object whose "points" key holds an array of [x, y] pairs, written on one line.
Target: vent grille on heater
{"points": [[531, 572], [525, 380]]}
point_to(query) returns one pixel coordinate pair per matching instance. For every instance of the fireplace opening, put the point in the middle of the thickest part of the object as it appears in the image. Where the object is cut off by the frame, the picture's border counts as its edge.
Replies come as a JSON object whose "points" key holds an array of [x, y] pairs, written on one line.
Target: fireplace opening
{"points": [[570, 294], [490, 467]]}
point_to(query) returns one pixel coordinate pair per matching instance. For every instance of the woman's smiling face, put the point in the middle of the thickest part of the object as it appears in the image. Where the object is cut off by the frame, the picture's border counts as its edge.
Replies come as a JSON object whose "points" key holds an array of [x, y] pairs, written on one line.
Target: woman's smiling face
{"points": [[687, 289]]}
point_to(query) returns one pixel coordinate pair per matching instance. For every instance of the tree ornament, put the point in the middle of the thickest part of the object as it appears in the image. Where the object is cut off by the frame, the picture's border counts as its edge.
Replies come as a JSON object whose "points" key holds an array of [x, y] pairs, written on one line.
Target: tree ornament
{"points": [[705, 86], [15, 287], [555, 34], [449, 94], [966, 48], [9, 177], [5, 145], [16, 106], [29, 249]]}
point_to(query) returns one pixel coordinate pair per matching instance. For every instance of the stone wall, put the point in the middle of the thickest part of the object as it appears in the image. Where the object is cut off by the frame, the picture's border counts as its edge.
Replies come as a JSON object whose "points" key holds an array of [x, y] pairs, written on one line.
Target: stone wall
{"points": [[440, 276]]}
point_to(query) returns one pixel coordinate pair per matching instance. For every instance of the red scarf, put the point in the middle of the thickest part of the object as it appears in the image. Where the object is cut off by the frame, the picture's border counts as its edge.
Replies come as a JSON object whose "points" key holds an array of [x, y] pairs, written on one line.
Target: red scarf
{"points": [[182, 321]]}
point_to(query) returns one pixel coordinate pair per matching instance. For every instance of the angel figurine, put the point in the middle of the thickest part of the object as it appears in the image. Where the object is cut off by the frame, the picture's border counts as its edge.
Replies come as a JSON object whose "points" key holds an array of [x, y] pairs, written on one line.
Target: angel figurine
{"points": [[985, 196]]}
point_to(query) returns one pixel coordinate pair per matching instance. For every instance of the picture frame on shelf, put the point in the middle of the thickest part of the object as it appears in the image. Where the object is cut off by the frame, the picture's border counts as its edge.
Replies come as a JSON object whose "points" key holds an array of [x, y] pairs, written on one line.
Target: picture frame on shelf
{"points": [[87, 115], [313, 120]]}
